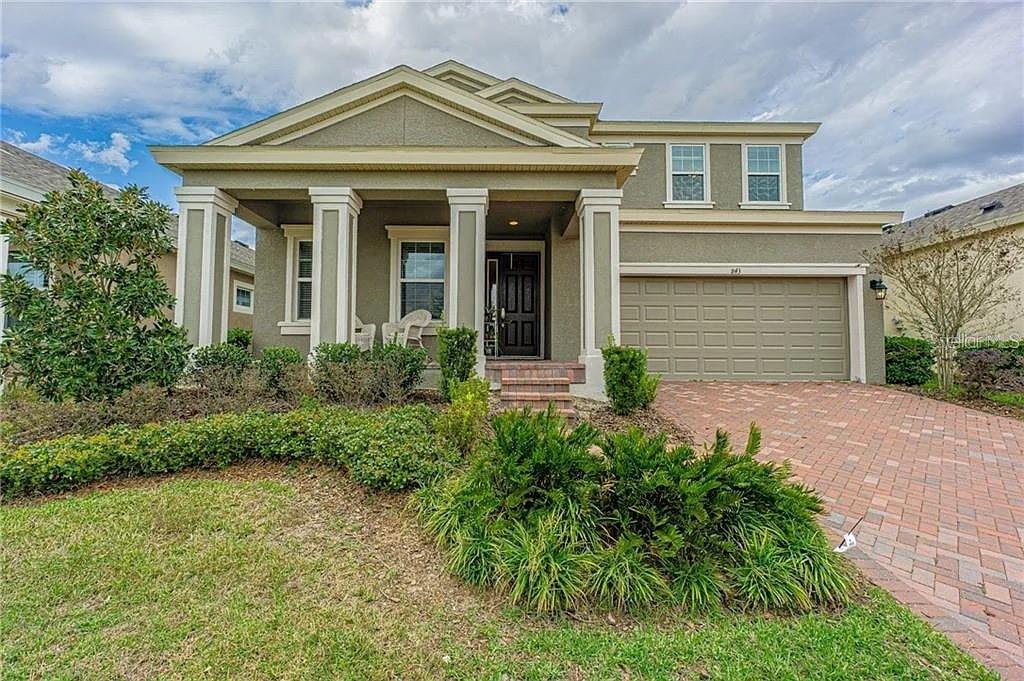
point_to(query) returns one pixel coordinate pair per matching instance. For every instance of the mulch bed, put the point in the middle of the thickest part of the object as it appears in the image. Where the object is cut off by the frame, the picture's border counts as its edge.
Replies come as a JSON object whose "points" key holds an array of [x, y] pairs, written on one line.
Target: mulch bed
{"points": [[979, 403], [649, 420]]}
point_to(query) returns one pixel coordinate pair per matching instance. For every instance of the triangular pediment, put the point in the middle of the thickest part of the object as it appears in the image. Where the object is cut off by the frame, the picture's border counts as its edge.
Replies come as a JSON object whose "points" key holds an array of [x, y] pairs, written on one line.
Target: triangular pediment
{"points": [[461, 76], [515, 91], [338, 106]]}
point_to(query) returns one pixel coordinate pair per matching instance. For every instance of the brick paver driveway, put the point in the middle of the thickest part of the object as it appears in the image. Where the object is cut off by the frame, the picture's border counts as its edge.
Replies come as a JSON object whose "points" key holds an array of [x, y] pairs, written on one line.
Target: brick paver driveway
{"points": [[940, 487]]}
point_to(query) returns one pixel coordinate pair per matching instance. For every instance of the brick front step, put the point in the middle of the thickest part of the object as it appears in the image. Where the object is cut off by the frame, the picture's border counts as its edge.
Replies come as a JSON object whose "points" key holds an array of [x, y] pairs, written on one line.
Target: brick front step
{"points": [[496, 369], [535, 384], [513, 385]]}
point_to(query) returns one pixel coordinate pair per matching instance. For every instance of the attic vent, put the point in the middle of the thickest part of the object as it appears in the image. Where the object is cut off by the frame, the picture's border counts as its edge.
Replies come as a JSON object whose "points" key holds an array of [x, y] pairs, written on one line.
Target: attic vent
{"points": [[937, 211], [991, 205], [887, 229]]}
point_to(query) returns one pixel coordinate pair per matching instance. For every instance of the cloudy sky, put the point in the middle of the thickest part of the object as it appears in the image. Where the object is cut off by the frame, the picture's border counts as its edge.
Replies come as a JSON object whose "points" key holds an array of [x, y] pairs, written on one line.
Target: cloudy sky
{"points": [[922, 104]]}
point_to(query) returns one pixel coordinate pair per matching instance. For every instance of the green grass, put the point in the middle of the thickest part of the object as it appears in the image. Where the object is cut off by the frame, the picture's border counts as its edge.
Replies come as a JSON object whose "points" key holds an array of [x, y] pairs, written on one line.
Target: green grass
{"points": [[1009, 399], [274, 572]]}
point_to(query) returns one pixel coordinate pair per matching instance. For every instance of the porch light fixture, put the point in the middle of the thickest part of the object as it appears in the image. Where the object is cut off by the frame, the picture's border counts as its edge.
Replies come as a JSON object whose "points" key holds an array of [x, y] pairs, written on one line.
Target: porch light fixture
{"points": [[879, 287], [513, 223]]}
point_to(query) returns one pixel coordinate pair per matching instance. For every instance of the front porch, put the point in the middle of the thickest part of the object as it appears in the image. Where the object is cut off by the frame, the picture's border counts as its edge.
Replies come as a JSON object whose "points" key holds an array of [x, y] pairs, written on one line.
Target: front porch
{"points": [[535, 273]]}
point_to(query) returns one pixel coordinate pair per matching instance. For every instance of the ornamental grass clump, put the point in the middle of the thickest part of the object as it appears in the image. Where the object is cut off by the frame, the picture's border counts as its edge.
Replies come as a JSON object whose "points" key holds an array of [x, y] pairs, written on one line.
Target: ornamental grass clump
{"points": [[560, 518]]}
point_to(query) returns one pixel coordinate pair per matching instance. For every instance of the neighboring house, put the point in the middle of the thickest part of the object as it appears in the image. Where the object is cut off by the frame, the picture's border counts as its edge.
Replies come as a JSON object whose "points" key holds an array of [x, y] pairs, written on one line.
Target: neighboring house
{"points": [[451, 190], [995, 213], [25, 178]]}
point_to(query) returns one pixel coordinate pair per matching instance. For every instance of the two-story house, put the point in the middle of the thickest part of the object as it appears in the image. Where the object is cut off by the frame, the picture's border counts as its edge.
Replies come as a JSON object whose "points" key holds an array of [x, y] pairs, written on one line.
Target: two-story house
{"points": [[501, 206]]}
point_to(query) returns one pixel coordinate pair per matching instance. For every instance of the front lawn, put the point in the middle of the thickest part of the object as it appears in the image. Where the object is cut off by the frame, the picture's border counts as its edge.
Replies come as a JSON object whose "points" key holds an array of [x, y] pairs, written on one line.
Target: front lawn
{"points": [[293, 571]]}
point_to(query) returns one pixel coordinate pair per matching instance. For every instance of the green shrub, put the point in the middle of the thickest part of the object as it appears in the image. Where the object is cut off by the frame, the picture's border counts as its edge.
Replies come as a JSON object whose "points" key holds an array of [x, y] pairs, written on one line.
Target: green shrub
{"points": [[99, 326], [385, 374], [456, 354], [908, 361], [240, 337], [555, 522], [280, 369], [221, 356], [626, 381], [990, 370], [460, 425], [392, 449]]}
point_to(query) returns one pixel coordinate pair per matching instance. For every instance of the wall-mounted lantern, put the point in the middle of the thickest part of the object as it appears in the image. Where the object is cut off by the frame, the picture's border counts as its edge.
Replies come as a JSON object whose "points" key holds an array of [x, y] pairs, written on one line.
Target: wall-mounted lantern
{"points": [[879, 287]]}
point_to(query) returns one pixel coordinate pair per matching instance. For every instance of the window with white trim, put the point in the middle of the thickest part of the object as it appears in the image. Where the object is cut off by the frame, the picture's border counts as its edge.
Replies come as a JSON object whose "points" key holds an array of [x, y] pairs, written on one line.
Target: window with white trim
{"points": [[688, 177], [419, 271], [303, 301], [243, 297], [421, 277], [764, 173], [298, 301]]}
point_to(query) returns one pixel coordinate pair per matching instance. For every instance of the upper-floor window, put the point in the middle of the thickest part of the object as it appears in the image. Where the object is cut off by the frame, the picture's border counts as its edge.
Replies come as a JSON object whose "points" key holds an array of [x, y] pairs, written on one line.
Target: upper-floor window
{"points": [[764, 173], [688, 177]]}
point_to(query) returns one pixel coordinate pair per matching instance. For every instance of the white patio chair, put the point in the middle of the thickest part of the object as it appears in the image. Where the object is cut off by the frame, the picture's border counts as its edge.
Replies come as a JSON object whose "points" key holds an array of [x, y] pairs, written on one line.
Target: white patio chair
{"points": [[408, 330], [364, 334]]}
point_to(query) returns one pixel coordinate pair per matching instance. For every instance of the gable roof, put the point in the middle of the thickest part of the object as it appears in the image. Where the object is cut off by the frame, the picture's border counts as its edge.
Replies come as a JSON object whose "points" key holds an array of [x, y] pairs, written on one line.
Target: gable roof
{"points": [[401, 78], [1003, 205], [35, 173], [515, 88], [461, 75]]}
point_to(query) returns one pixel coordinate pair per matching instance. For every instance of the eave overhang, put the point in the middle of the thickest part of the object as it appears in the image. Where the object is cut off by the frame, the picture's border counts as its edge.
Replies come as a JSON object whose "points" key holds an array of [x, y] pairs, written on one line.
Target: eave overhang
{"points": [[756, 221], [179, 159], [798, 131]]}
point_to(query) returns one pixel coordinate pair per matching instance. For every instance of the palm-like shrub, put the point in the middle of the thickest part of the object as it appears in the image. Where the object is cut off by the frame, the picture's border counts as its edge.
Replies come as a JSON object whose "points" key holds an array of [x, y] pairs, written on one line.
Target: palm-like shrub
{"points": [[559, 518]]}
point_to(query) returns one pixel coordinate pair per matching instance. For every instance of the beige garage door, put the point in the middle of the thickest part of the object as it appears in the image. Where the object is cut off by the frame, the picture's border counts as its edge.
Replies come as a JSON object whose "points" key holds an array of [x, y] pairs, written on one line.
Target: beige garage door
{"points": [[720, 328]]}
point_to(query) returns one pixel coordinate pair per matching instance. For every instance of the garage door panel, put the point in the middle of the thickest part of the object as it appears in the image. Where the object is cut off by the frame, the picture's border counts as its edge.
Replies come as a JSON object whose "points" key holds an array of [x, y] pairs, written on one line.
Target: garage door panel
{"points": [[739, 328]]}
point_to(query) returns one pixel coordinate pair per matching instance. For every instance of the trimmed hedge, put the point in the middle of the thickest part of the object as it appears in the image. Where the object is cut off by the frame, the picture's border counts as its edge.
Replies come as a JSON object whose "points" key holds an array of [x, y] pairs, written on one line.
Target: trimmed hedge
{"points": [[908, 361], [626, 381], [391, 450]]}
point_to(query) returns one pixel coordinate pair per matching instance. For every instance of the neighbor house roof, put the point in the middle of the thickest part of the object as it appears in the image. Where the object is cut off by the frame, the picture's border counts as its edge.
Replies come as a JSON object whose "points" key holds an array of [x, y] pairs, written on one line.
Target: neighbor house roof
{"points": [[23, 170], [1005, 205], [35, 172]]}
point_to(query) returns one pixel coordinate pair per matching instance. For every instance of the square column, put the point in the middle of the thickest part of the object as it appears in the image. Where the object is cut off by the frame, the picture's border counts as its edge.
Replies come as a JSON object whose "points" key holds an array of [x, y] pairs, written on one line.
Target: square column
{"points": [[203, 268], [598, 213], [335, 230], [467, 282]]}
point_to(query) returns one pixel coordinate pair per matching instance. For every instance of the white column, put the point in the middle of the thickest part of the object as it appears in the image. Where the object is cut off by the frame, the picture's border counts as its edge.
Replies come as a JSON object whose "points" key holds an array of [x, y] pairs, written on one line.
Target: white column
{"points": [[598, 211], [335, 222], [855, 302], [474, 203], [216, 209], [5, 250]]}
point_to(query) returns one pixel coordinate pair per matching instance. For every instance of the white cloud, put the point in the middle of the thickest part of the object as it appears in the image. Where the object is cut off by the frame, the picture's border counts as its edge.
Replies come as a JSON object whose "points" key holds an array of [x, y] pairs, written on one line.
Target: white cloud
{"points": [[44, 144], [114, 155], [919, 102]]}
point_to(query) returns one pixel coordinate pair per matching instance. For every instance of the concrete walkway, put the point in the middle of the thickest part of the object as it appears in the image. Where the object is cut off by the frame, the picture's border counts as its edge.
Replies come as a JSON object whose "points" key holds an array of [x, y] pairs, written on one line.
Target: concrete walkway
{"points": [[940, 488]]}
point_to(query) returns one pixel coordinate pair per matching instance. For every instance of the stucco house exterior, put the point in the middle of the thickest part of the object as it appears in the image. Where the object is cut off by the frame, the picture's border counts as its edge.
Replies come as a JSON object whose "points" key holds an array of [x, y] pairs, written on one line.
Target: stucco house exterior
{"points": [[26, 177], [504, 207], [979, 218]]}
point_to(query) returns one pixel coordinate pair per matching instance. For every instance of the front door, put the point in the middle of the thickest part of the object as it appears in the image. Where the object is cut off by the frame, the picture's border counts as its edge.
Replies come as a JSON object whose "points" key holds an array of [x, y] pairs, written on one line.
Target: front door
{"points": [[518, 303]]}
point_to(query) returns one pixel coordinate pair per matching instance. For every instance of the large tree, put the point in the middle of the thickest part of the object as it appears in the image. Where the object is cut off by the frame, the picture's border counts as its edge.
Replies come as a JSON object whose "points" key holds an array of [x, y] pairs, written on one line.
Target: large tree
{"points": [[99, 325], [951, 284]]}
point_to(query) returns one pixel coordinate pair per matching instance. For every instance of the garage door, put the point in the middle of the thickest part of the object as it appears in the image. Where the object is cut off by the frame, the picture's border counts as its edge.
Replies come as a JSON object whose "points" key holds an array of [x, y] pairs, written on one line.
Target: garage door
{"points": [[721, 328]]}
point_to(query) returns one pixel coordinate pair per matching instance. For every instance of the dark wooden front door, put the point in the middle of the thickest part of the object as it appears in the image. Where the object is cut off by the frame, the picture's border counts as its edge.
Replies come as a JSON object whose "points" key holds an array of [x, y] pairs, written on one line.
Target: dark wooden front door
{"points": [[518, 303]]}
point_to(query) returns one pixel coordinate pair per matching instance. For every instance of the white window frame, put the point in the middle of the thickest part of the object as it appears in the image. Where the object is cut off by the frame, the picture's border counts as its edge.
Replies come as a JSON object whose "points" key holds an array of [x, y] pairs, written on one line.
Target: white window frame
{"points": [[783, 200], [669, 201], [290, 326], [246, 286], [416, 234]]}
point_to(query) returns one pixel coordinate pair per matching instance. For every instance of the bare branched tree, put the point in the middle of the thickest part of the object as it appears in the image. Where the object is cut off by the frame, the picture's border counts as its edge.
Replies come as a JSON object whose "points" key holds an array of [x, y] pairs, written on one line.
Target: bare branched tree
{"points": [[951, 284]]}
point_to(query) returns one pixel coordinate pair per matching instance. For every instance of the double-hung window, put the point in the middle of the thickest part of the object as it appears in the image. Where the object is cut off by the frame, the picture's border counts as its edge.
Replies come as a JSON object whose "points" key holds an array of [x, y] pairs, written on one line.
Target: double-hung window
{"points": [[688, 178], [419, 270], [298, 305], [421, 277], [764, 173]]}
